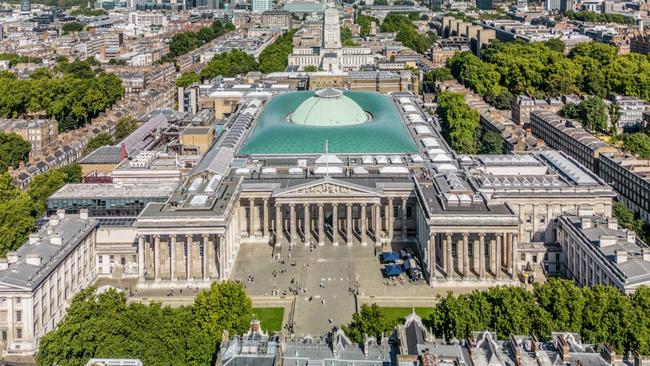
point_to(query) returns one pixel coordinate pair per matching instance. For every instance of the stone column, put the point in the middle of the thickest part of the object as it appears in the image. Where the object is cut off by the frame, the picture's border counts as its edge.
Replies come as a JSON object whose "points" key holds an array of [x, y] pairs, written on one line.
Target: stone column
{"points": [[387, 214], [278, 224], [307, 219], [205, 257], [348, 225], [450, 259], [506, 251], [404, 219], [292, 222], [499, 254], [465, 255], [251, 217], [172, 257], [377, 223], [335, 224], [391, 220], [188, 259], [475, 257], [141, 258], [492, 255], [481, 255], [363, 224], [432, 254], [321, 225], [515, 257], [265, 228], [156, 257]]}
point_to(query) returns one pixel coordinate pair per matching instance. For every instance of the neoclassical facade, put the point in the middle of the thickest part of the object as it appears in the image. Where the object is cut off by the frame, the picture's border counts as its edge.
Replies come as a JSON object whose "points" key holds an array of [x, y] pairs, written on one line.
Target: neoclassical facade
{"points": [[296, 170]]}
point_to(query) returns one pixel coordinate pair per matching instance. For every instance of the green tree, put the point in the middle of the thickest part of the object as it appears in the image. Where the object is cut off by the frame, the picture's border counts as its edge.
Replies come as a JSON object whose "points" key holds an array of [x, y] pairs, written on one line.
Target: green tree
{"points": [[124, 127], [16, 220], [13, 149], [433, 76], [104, 326], [187, 79], [98, 141], [637, 143], [310, 68], [365, 23], [72, 27], [371, 320], [45, 184], [491, 143], [274, 57], [594, 114], [115, 61], [556, 45], [225, 306], [564, 300], [460, 124], [231, 63]]}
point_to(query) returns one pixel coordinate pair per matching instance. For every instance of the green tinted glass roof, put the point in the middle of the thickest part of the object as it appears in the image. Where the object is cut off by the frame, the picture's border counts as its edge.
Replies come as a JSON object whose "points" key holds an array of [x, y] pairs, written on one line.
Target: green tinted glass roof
{"points": [[384, 134]]}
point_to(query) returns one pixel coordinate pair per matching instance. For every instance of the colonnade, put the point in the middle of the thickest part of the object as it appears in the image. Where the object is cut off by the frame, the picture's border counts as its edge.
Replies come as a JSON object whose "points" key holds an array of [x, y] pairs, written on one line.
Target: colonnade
{"points": [[183, 257], [474, 255], [320, 222]]}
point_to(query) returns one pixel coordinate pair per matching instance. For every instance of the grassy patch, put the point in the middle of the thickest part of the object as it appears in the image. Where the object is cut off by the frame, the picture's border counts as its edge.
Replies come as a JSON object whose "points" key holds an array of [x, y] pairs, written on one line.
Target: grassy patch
{"points": [[397, 314], [270, 318]]}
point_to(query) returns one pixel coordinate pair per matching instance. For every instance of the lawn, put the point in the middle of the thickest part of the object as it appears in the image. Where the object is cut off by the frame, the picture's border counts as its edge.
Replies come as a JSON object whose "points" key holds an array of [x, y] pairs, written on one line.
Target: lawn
{"points": [[270, 318], [396, 315]]}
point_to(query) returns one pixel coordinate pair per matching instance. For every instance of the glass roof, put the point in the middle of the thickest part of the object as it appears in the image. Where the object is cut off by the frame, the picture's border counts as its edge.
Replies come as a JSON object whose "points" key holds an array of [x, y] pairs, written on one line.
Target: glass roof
{"points": [[384, 134]]}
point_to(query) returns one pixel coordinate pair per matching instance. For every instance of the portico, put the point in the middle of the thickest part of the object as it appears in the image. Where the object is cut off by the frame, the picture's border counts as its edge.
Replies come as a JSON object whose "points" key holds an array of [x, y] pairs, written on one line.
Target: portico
{"points": [[328, 211]]}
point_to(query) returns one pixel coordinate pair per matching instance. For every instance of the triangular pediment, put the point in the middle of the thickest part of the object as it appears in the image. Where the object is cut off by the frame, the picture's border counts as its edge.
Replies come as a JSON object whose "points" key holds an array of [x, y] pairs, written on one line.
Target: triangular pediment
{"points": [[326, 188]]}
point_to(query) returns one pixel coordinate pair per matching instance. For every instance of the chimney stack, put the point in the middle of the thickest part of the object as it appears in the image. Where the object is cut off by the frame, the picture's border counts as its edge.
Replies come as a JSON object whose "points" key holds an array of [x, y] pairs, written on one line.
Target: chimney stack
{"points": [[122, 152], [12, 257], [4, 265], [33, 238], [33, 259], [60, 213], [621, 256], [56, 240], [83, 214], [54, 220], [646, 254]]}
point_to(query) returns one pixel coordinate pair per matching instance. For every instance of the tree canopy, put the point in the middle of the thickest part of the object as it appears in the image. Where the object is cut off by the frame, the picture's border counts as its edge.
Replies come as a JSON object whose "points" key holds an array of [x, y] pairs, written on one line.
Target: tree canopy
{"points": [[124, 127], [592, 113], [75, 95], [19, 210], [274, 58], [600, 314], [460, 124], [13, 149], [542, 70], [592, 17], [184, 42], [15, 59], [230, 63], [187, 79], [637, 143], [105, 326], [98, 141], [72, 27], [407, 33]]}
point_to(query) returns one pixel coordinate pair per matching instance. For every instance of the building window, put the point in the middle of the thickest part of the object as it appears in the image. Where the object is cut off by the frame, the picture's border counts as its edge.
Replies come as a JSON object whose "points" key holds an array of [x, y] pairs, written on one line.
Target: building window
{"points": [[19, 315], [523, 256], [19, 333], [101, 259]]}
